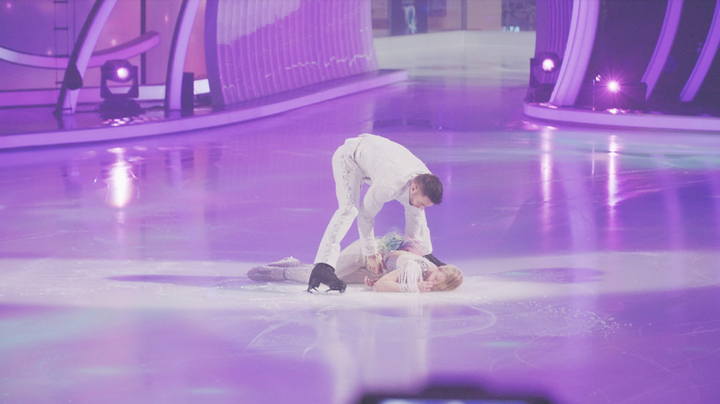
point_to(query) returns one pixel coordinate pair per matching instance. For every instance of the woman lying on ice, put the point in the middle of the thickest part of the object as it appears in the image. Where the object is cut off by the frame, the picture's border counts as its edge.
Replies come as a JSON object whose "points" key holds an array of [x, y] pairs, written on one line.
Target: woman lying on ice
{"points": [[404, 269]]}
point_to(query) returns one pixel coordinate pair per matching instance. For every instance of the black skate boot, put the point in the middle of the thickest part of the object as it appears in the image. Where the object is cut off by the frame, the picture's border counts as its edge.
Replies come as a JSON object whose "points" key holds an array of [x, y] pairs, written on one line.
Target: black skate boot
{"points": [[324, 273]]}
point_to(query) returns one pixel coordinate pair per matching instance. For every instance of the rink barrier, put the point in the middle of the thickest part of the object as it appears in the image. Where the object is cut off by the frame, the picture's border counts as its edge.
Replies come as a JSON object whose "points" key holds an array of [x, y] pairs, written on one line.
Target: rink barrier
{"points": [[620, 118]]}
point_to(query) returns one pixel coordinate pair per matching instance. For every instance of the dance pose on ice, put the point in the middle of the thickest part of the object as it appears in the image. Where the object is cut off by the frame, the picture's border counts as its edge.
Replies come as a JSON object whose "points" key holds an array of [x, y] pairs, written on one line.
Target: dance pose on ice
{"points": [[404, 269], [393, 173]]}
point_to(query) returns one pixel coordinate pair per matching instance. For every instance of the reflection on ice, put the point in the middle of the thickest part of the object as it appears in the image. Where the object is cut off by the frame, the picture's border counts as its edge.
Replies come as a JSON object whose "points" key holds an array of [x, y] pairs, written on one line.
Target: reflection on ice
{"points": [[120, 181]]}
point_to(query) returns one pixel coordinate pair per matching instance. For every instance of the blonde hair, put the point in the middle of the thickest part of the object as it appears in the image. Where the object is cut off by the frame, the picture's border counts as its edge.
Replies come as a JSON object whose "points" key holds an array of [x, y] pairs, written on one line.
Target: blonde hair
{"points": [[453, 278]]}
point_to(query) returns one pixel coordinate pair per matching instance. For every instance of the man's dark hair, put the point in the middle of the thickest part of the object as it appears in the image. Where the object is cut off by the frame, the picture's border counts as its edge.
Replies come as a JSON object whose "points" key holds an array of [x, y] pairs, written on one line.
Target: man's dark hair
{"points": [[430, 186]]}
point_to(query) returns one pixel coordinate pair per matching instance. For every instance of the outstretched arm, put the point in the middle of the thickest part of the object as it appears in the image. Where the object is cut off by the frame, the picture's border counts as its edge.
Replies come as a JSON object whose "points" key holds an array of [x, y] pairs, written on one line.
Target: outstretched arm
{"points": [[387, 283]]}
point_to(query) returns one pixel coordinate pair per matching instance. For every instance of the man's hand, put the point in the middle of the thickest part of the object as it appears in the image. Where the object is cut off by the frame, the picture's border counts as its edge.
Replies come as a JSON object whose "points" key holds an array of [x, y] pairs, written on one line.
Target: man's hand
{"points": [[374, 263]]}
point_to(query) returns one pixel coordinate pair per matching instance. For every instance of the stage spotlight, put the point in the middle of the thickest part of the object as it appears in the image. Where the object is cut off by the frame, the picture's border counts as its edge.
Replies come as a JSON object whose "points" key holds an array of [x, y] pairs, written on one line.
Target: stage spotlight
{"points": [[614, 86], [119, 71], [548, 62], [119, 104], [542, 79]]}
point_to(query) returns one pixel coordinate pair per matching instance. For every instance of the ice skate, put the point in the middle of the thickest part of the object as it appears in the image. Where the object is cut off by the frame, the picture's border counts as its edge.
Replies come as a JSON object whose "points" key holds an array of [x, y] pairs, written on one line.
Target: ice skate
{"points": [[324, 273], [274, 271], [286, 269], [267, 273], [298, 274]]}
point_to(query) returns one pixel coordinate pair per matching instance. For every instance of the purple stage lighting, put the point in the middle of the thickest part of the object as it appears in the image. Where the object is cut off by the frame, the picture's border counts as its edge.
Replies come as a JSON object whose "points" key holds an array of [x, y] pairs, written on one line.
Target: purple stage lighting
{"points": [[542, 76], [119, 72], [614, 86], [119, 103], [548, 65]]}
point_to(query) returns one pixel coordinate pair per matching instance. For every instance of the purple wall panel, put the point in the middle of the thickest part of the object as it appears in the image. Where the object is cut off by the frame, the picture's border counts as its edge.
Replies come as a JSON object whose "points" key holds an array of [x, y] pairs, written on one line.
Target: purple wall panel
{"points": [[264, 48]]}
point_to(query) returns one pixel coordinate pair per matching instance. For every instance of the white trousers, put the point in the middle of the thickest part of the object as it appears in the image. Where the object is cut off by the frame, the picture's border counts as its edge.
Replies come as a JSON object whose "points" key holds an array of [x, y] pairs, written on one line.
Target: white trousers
{"points": [[348, 183]]}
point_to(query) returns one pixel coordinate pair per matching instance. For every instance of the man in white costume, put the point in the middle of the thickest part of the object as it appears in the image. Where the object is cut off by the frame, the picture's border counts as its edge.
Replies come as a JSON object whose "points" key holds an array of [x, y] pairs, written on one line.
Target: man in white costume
{"points": [[393, 173]]}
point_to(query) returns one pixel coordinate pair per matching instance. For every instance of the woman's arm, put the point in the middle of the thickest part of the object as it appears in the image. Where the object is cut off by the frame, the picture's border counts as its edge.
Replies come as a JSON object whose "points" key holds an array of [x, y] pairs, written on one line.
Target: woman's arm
{"points": [[391, 282], [388, 283]]}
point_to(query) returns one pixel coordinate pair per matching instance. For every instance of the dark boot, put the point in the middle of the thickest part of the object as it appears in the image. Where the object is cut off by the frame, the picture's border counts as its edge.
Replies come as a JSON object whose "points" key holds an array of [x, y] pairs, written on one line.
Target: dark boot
{"points": [[324, 273]]}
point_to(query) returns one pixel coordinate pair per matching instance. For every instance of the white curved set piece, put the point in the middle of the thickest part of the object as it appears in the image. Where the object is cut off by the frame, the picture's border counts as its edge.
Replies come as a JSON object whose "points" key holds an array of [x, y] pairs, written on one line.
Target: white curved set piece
{"points": [[663, 46], [577, 53], [256, 49], [178, 52], [82, 51], [702, 66]]}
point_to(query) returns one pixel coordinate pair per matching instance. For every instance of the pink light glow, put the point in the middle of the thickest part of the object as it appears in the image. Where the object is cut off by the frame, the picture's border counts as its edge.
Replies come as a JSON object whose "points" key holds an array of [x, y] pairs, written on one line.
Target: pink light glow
{"points": [[8, 5], [548, 65], [614, 86]]}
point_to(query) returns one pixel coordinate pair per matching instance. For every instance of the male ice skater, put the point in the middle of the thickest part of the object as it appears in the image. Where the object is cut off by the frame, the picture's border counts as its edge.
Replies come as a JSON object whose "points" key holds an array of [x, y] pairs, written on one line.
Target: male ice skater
{"points": [[393, 173]]}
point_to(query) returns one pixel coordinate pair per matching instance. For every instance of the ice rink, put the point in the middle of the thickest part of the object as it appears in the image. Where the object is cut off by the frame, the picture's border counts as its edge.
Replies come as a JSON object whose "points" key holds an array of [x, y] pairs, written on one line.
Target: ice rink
{"points": [[591, 257]]}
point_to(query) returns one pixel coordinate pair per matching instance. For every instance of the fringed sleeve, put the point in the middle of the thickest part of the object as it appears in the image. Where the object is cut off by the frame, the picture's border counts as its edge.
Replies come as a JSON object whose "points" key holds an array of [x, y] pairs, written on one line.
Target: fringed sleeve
{"points": [[409, 276]]}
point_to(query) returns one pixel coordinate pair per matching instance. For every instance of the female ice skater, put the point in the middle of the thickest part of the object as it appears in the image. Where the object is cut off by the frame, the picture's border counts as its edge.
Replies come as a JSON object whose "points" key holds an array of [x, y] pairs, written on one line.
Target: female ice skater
{"points": [[404, 269]]}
